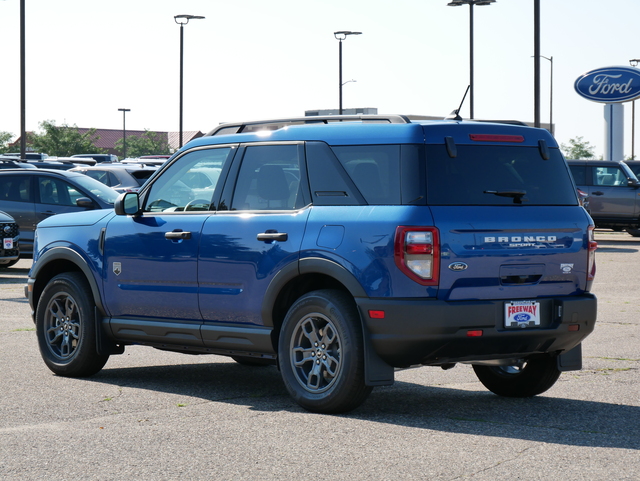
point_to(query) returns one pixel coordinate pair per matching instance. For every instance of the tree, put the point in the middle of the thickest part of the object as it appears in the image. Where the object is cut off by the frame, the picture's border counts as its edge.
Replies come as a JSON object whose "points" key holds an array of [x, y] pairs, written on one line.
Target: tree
{"points": [[149, 143], [5, 140], [63, 141], [578, 149]]}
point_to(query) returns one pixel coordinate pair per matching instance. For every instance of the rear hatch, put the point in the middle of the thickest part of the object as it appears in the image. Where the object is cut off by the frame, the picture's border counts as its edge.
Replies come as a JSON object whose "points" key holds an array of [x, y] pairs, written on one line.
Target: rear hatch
{"points": [[509, 219]]}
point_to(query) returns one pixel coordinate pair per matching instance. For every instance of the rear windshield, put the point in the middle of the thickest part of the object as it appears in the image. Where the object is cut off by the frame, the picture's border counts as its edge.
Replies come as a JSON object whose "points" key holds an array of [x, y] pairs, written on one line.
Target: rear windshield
{"points": [[497, 175]]}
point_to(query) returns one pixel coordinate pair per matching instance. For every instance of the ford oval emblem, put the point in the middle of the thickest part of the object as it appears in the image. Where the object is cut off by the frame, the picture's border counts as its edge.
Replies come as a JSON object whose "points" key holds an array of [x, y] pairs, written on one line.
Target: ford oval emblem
{"points": [[609, 84], [458, 266]]}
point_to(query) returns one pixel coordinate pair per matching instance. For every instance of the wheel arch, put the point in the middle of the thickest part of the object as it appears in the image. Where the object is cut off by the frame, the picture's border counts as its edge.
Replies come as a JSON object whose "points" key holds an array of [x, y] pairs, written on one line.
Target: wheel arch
{"points": [[56, 261], [297, 279]]}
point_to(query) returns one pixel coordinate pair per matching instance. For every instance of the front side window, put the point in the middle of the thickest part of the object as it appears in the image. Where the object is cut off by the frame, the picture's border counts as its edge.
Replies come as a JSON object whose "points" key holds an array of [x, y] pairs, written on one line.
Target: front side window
{"points": [[609, 177], [57, 192], [189, 183], [269, 179]]}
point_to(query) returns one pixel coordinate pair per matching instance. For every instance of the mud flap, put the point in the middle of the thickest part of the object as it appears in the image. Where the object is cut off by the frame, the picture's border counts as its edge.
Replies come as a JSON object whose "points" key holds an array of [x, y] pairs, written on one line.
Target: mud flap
{"points": [[571, 360], [104, 345], [376, 371]]}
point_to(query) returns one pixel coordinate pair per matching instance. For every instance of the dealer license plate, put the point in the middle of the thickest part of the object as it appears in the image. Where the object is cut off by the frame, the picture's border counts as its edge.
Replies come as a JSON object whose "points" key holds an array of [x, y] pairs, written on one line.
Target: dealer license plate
{"points": [[8, 243], [521, 314]]}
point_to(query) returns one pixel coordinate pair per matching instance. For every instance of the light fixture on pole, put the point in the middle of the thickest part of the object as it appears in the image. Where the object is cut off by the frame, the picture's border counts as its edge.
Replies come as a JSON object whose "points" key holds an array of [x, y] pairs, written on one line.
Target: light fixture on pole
{"points": [[341, 35], [471, 3], [124, 132], [634, 63], [182, 20]]}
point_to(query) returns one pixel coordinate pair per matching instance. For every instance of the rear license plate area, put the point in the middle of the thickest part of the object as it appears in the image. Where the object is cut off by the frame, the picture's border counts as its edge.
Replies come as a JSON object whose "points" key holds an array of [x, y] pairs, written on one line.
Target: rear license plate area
{"points": [[521, 314]]}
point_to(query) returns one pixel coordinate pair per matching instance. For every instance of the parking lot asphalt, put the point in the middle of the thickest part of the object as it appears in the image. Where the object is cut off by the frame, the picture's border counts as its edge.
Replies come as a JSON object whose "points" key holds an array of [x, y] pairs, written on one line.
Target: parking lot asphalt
{"points": [[153, 415]]}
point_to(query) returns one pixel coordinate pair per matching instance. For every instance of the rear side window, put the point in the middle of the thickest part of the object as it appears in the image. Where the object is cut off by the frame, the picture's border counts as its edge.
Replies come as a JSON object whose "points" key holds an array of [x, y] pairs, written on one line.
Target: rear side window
{"points": [[375, 169], [497, 175], [579, 173], [15, 188]]}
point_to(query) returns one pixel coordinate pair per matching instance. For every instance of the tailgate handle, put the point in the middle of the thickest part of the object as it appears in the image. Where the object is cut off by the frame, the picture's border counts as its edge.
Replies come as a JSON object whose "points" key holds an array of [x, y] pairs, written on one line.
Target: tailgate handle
{"points": [[177, 235]]}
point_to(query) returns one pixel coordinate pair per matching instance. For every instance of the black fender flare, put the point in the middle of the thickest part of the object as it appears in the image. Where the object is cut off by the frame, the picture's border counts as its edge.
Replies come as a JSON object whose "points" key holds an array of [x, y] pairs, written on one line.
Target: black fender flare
{"points": [[67, 254]]}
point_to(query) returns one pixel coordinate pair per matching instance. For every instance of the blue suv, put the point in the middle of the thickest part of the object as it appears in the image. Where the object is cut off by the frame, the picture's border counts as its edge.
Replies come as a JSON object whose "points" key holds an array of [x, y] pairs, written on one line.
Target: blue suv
{"points": [[339, 252]]}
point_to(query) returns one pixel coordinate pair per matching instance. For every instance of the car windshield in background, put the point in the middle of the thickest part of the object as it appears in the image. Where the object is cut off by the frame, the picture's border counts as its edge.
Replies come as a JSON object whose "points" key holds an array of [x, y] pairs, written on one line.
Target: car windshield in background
{"points": [[497, 175], [106, 194]]}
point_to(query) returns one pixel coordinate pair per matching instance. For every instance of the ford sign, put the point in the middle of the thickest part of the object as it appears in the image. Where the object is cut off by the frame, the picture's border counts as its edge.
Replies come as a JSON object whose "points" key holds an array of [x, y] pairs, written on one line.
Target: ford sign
{"points": [[610, 84]]}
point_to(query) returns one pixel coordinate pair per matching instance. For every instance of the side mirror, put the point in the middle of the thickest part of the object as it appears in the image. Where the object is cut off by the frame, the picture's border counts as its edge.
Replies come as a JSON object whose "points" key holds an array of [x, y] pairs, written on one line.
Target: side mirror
{"points": [[127, 203], [85, 202], [633, 183]]}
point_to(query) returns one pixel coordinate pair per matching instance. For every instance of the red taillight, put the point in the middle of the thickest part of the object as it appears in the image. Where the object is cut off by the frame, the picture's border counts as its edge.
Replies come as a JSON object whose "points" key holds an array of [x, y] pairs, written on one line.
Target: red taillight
{"points": [[417, 253], [591, 259], [496, 138], [475, 333]]}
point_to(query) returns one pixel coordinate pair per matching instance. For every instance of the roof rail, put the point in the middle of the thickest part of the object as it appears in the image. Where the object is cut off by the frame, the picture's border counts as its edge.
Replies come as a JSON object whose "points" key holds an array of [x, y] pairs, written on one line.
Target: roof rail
{"points": [[275, 124]]}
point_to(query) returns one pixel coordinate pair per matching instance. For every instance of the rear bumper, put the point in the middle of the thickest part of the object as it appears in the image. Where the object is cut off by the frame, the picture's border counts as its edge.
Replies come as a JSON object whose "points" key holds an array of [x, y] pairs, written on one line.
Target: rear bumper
{"points": [[434, 332]]}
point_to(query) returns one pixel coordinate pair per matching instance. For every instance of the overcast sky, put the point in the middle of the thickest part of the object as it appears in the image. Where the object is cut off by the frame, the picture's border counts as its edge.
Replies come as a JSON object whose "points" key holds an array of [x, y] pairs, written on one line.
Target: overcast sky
{"points": [[253, 59]]}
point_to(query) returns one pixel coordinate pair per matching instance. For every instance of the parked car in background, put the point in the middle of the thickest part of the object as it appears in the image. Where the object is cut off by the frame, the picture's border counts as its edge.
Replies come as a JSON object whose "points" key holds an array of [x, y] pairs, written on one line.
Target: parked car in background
{"points": [[29, 155], [97, 157], [120, 177], [14, 163], [10, 237], [31, 195], [613, 190]]}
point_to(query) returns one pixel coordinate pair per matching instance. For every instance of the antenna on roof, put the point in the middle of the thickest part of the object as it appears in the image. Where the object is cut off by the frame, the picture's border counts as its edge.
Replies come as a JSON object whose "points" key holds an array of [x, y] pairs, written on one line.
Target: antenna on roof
{"points": [[455, 114]]}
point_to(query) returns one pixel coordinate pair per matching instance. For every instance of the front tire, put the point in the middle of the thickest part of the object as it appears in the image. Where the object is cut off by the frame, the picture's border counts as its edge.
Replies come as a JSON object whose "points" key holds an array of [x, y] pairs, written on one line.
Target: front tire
{"points": [[531, 378], [66, 329], [321, 353]]}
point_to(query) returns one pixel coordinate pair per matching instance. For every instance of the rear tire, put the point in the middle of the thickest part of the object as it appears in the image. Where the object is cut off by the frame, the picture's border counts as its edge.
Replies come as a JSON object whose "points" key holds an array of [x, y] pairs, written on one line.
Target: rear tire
{"points": [[321, 353], [66, 329], [634, 232], [532, 378]]}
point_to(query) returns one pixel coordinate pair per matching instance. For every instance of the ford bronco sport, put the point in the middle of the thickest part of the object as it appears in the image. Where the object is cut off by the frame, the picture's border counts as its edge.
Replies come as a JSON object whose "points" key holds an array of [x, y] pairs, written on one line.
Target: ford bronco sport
{"points": [[339, 252]]}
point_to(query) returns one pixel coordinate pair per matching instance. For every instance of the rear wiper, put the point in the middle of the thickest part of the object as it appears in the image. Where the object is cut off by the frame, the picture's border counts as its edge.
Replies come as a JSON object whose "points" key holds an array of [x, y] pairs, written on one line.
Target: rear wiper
{"points": [[517, 195]]}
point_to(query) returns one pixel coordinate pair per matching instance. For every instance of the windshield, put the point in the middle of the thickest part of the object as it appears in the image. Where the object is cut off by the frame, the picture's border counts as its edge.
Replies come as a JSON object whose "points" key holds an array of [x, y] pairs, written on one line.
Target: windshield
{"points": [[497, 175], [101, 191]]}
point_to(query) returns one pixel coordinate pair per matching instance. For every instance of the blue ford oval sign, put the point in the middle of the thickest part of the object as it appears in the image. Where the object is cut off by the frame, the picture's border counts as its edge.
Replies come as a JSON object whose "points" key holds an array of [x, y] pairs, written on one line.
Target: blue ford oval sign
{"points": [[610, 84]]}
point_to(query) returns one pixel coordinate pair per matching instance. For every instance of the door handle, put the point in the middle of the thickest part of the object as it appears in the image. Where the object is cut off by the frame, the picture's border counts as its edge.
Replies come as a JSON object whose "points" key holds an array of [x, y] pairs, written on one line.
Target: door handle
{"points": [[177, 235], [48, 213], [272, 235], [598, 192]]}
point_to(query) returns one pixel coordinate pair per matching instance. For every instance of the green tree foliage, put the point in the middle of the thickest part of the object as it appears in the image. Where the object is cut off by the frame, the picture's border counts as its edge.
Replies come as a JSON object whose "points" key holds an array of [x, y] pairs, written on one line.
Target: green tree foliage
{"points": [[5, 140], [578, 149], [149, 143], [64, 140]]}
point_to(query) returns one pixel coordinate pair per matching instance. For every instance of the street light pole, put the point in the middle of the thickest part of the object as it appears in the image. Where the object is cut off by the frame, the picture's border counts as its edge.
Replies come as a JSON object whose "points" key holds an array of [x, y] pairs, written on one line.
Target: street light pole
{"points": [[341, 36], [23, 103], [471, 3], [182, 20], [550, 59], [124, 132]]}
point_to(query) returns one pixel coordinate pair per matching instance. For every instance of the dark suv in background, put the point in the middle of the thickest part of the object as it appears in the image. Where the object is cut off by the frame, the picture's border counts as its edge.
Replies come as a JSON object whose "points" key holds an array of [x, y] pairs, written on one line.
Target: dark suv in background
{"points": [[614, 193], [10, 238]]}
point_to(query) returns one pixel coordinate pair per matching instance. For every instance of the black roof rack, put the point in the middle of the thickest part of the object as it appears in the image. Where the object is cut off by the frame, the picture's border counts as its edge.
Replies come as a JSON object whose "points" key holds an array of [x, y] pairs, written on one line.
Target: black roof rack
{"points": [[275, 124]]}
